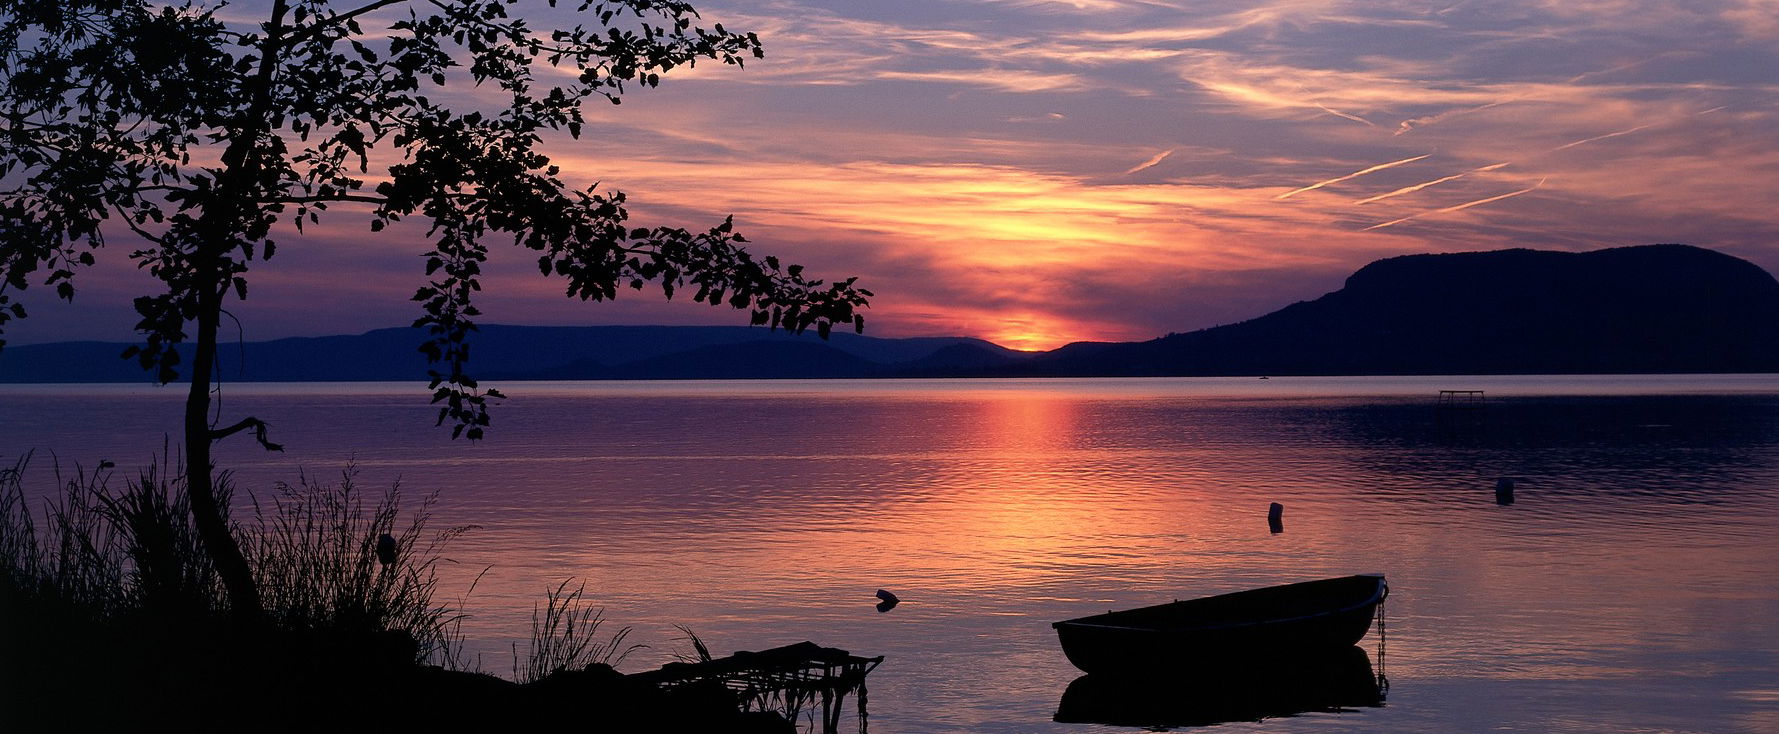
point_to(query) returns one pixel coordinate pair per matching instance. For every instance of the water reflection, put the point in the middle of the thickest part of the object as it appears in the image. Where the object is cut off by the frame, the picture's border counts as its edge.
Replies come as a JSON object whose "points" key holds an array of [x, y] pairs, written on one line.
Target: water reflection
{"points": [[1630, 588], [1216, 694]]}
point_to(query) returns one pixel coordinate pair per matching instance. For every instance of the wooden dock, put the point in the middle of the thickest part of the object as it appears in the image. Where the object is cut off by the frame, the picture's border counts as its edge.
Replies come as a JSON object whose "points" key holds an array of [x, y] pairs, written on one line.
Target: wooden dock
{"points": [[788, 680], [1461, 400]]}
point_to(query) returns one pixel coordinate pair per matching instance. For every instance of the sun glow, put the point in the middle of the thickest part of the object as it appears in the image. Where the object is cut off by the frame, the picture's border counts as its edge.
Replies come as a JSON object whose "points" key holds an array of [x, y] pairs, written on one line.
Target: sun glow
{"points": [[1100, 176], [1029, 334]]}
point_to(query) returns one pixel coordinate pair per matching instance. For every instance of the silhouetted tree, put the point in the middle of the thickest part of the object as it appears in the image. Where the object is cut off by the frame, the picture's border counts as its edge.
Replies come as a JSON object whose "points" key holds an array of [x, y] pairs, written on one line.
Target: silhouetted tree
{"points": [[207, 139]]}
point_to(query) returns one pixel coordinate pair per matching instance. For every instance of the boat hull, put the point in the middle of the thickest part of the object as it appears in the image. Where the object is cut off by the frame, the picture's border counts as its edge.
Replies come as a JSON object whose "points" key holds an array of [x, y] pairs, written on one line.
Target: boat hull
{"points": [[1214, 692], [1246, 627]]}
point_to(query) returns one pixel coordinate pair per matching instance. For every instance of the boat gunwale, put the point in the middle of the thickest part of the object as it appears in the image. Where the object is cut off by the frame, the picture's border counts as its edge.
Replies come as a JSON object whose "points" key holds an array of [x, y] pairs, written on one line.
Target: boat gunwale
{"points": [[1377, 596]]}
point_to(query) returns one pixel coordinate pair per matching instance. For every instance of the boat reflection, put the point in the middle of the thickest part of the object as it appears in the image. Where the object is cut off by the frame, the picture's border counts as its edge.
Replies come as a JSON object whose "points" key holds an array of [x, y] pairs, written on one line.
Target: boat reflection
{"points": [[1215, 694]]}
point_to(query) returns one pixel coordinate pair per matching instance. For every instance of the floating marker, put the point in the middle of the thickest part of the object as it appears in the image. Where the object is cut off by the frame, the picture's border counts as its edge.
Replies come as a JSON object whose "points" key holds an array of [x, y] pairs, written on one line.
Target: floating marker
{"points": [[1275, 518], [1504, 491], [889, 601]]}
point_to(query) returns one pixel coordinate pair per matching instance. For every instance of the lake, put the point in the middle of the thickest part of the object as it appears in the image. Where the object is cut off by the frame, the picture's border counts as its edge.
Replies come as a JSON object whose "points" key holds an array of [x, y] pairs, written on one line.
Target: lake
{"points": [[1630, 588]]}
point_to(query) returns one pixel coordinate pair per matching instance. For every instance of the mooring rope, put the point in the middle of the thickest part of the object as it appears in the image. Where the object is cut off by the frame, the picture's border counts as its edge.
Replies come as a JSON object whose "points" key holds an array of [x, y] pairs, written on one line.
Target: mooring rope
{"points": [[1383, 681]]}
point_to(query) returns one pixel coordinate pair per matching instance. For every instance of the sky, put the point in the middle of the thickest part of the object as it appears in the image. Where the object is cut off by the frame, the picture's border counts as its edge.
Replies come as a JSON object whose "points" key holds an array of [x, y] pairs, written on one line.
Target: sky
{"points": [[1037, 172]]}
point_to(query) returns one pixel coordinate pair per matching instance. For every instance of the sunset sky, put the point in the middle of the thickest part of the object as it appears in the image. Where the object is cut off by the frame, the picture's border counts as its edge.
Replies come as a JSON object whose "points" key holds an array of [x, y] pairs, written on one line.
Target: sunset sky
{"points": [[1036, 172]]}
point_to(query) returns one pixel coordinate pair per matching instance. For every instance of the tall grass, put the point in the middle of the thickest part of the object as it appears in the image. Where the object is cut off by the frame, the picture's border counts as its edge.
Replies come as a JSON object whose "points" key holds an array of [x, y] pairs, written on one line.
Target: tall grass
{"points": [[313, 550], [565, 637], [132, 559], [109, 593], [77, 558], [134, 555]]}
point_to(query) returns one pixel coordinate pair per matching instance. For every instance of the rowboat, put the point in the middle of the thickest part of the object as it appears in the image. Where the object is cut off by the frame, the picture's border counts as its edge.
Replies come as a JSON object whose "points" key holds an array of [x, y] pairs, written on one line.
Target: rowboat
{"points": [[1292, 619]]}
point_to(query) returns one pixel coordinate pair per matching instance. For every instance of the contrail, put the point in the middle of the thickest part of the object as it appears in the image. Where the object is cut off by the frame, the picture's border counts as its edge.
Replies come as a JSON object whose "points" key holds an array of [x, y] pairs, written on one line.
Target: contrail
{"points": [[1628, 131], [1459, 207], [1148, 164], [1585, 141], [1621, 67], [1408, 125], [1338, 113], [1373, 169], [1434, 182]]}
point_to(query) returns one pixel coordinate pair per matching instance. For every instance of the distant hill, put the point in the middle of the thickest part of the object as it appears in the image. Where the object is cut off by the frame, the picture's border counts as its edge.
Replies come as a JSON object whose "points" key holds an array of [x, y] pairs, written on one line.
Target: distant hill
{"points": [[1656, 308], [526, 353]]}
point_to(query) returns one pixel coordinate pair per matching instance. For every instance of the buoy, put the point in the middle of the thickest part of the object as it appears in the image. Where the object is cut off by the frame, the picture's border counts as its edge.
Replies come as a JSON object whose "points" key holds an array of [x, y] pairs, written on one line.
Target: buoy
{"points": [[1504, 491], [889, 601], [1275, 518]]}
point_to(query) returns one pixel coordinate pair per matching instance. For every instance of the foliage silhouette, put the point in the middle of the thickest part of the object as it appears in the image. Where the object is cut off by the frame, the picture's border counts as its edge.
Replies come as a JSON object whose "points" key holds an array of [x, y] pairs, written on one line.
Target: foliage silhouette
{"points": [[210, 141]]}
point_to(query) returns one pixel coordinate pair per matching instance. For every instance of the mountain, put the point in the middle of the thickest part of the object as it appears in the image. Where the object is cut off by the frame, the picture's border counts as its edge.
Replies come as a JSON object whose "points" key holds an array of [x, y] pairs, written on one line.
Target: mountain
{"points": [[523, 353], [1654, 308]]}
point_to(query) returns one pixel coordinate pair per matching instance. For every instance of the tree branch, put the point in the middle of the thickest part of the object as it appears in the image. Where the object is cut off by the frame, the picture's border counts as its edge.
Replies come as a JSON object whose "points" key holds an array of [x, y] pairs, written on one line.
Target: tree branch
{"points": [[134, 227], [315, 29], [259, 432], [361, 198]]}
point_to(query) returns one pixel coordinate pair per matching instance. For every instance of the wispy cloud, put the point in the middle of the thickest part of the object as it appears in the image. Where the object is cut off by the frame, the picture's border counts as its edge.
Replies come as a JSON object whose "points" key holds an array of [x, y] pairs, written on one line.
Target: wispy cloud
{"points": [[973, 161]]}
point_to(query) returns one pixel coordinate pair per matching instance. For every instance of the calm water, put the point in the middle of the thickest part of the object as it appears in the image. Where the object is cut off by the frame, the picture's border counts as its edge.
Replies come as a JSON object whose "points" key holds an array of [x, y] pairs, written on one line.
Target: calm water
{"points": [[1632, 588]]}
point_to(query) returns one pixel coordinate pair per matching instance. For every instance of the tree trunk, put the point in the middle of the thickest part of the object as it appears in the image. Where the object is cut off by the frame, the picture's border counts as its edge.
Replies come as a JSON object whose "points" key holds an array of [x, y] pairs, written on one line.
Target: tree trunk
{"points": [[240, 167], [207, 512]]}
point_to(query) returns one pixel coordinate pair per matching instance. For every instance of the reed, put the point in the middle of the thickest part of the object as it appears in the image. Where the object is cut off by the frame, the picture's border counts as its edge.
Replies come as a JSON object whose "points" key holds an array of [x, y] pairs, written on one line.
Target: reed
{"points": [[76, 558], [565, 637], [112, 555], [108, 593], [19, 552], [313, 548]]}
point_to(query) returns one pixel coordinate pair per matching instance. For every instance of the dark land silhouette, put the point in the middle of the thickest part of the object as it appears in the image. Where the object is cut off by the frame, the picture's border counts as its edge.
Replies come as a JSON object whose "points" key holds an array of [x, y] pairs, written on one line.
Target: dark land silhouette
{"points": [[1654, 308], [536, 352], [1647, 309]]}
